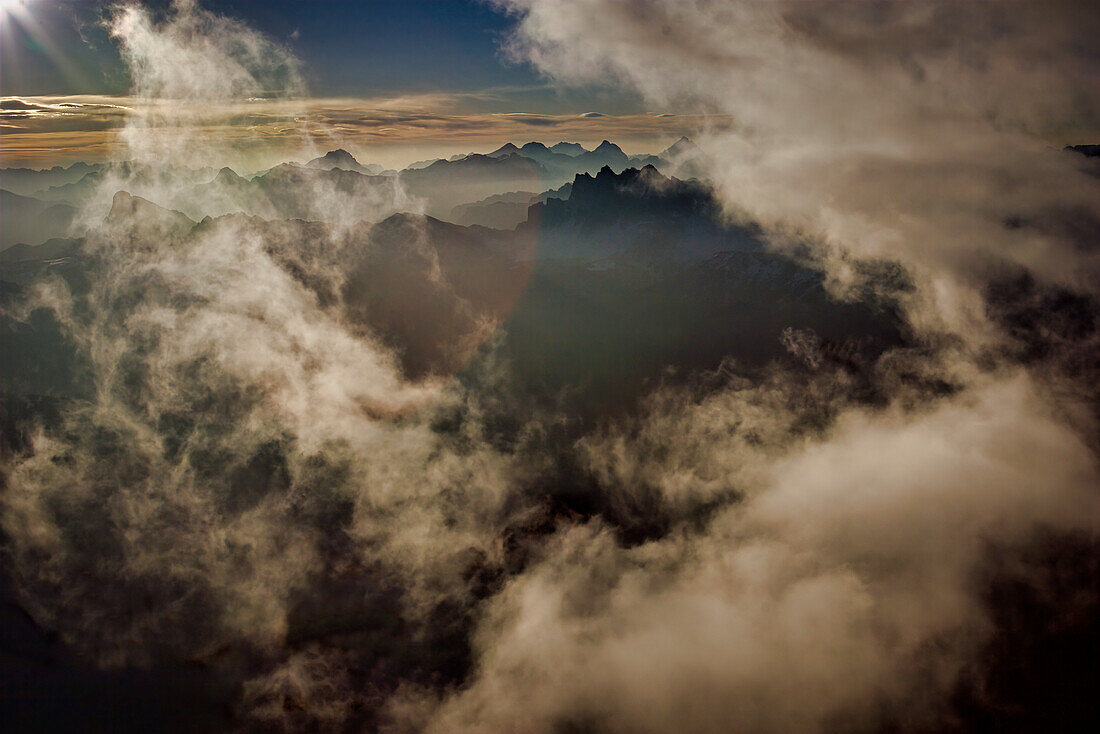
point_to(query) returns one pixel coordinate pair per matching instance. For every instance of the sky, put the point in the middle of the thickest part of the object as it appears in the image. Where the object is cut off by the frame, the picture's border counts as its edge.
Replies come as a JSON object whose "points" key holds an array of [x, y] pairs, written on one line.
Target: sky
{"points": [[421, 78]]}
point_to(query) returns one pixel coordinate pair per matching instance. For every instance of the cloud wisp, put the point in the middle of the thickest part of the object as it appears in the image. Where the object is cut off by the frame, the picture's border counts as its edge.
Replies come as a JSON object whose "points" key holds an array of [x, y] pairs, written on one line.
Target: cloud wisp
{"points": [[842, 593]]}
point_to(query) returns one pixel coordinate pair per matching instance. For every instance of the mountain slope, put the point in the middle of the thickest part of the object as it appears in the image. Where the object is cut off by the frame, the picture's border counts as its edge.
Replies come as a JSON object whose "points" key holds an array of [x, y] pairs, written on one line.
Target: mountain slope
{"points": [[27, 220], [446, 184], [28, 181], [504, 211]]}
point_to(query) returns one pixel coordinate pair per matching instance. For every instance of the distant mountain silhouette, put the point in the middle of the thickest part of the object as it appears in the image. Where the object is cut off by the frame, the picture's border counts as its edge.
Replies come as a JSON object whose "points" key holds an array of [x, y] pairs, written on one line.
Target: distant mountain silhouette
{"points": [[608, 148], [499, 211], [344, 160], [681, 147], [572, 149], [51, 249], [142, 221], [228, 177], [683, 159], [292, 191], [506, 149], [28, 181], [138, 177], [636, 210], [463, 179], [552, 169], [446, 184], [28, 220], [504, 211]]}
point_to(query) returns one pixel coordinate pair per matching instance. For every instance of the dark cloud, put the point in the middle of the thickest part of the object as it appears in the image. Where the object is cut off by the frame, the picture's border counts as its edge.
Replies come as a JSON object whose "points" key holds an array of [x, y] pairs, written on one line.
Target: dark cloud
{"points": [[54, 117], [533, 120], [12, 103]]}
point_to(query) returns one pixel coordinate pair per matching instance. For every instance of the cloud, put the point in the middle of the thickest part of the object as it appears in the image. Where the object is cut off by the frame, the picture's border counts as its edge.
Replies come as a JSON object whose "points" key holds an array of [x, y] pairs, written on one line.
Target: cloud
{"points": [[236, 421], [840, 592], [258, 133], [191, 65], [59, 114], [14, 103], [533, 120], [813, 604], [822, 113], [253, 484]]}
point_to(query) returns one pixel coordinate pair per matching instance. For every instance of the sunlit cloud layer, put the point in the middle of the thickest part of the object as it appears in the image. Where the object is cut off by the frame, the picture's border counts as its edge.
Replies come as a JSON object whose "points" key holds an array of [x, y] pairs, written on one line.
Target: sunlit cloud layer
{"points": [[45, 130]]}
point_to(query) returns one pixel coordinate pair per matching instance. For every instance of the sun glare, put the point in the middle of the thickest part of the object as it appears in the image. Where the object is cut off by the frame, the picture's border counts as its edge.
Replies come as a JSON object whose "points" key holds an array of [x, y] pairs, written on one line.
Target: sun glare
{"points": [[13, 8], [7, 6]]}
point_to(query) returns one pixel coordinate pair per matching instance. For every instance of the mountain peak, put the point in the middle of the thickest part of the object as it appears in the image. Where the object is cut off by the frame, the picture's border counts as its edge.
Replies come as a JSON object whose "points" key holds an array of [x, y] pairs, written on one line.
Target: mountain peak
{"points": [[338, 158], [135, 214], [228, 176], [636, 192], [340, 155], [570, 149], [681, 146], [534, 146], [506, 149]]}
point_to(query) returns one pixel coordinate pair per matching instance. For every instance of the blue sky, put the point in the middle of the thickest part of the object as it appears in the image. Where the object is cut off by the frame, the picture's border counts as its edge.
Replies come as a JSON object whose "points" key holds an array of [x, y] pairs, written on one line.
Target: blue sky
{"points": [[348, 48]]}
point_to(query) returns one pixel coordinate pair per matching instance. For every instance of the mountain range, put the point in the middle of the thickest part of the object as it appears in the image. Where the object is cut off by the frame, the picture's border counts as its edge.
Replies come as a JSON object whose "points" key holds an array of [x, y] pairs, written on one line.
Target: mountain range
{"points": [[596, 282], [344, 160], [460, 188], [614, 274]]}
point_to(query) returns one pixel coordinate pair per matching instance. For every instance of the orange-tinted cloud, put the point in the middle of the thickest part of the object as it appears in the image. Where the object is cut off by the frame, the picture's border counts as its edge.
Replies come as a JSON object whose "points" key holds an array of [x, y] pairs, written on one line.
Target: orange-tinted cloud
{"points": [[41, 131], [45, 130]]}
